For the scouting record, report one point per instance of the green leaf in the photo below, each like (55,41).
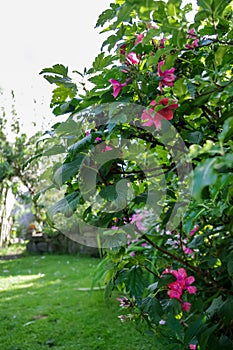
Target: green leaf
(180,89)
(219,54)
(214,307)
(68,170)
(80,146)
(204,336)
(56,149)
(66,206)
(226,311)
(204,175)
(68,127)
(227,130)
(219,6)
(152,306)
(109,193)
(205,4)
(56,69)
(105,16)
(135,282)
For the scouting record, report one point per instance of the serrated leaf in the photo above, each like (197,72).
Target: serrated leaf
(56,69)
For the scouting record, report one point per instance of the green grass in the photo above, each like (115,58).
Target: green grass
(41,308)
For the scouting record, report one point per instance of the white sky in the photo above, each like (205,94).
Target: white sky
(35,34)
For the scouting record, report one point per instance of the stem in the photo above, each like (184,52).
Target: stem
(206,276)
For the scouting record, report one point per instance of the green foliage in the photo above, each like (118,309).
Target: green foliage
(170,200)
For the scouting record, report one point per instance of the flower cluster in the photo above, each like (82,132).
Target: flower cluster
(182,283)
(166,78)
(151,117)
(193,41)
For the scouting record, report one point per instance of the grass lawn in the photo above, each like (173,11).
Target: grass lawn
(41,307)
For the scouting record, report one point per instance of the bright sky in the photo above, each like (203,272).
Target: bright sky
(38,34)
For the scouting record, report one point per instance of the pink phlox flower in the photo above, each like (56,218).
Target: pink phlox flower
(133,254)
(87,133)
(144,245)
(195,43)
(155,118)
(132,58)
(192,346)
(185,306)
(167,77)
(180,274)
(176,286)
(187,250)
(137,218)
(107,148)
(173,294)
(152,25)
(139,39)
(117,86)
(191,33)
(194,230)
(98,138)
(189,47)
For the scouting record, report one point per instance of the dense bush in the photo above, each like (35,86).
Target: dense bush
(147,161)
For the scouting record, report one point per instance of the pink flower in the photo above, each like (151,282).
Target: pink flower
(87,133)
(122,48)
(132,58)
(133,254)
(191,33)
(139,39)
(167,77)
(188,251)
(194,230)
(173,294)
(117,86)
(154,118)
(195,43)
(162,43)
(179,274)
(192,346)
(98,138)
(107,148)
(189,47)
(185,306)
(152,25)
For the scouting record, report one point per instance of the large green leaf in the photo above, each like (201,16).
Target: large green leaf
(204,175)
(66,206)
(135,282)
(152,306)
(67,170)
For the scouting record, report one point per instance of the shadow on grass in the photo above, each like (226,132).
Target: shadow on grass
(42,307)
